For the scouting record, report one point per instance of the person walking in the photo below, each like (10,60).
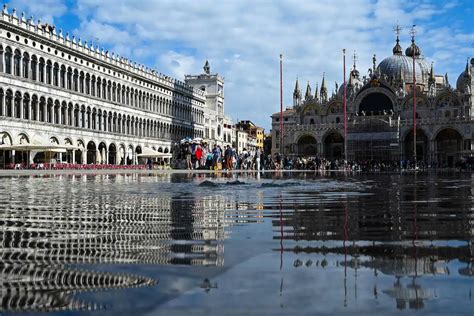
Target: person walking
(189,163)
(228,158)
(257,159)
(198,156)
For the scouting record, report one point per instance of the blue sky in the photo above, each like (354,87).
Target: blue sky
(243,39)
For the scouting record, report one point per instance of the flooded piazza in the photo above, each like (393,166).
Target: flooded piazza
(277,244)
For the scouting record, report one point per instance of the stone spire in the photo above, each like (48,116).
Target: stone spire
(308,95)
(207,68)
(413,50)
(354,74)
(324,90)
(316,92)
(374,64)
(397,50)
(432,74)
(296,94)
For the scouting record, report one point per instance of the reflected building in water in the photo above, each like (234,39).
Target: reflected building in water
(54,288)
(397,235)
(41,238)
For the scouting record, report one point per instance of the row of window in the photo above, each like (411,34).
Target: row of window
(47,110)
(49,72)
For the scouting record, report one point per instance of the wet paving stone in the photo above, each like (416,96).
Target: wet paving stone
(200,244)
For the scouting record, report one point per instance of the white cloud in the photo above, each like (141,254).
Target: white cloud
(176,64)
(243,39)
(44,10)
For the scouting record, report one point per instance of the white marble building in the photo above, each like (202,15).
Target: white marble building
(56,88)
(380,114)
(217,126)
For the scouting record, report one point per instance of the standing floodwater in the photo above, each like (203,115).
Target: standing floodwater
(286,244)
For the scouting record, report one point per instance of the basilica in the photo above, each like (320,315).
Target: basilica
(380,114)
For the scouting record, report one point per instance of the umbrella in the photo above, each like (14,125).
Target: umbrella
(186,140)
(150,153)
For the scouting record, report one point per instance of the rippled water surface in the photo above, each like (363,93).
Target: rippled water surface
(287,244)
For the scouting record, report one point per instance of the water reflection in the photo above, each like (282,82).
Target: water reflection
(48,228)
(407,230)
(382,239)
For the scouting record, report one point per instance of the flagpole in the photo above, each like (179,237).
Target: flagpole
(345,106)
(281,103)
(414,95)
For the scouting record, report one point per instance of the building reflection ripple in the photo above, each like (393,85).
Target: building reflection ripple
(48,229)
(406,230)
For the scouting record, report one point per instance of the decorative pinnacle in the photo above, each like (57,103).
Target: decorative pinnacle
(354,58)
(397,29)
(413,33)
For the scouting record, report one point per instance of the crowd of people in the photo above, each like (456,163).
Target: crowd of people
(201,156)
(366,165)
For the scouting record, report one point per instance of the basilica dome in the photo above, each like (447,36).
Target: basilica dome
(399,66)
(464,80)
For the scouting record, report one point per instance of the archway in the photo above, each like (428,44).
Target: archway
(307,145)
(102,153)
(129,155)
(138,150)
(334,146)
(421,145)
(375,104)
(91,153)
(6,156)
(22,156)
(121,157)
(112,154)
(79,152)
(69,152)
(448,147)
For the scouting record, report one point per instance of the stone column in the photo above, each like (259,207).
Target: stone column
(37,70)
(3,105)
(320,149)
(22,109)
(36,111)
(31,113)
(434,148)
(21,65)
(65,115)
(13,104)
(45,111)
(73,156)
(30,72)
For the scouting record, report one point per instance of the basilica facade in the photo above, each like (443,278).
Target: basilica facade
(380,116)
(61,90)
